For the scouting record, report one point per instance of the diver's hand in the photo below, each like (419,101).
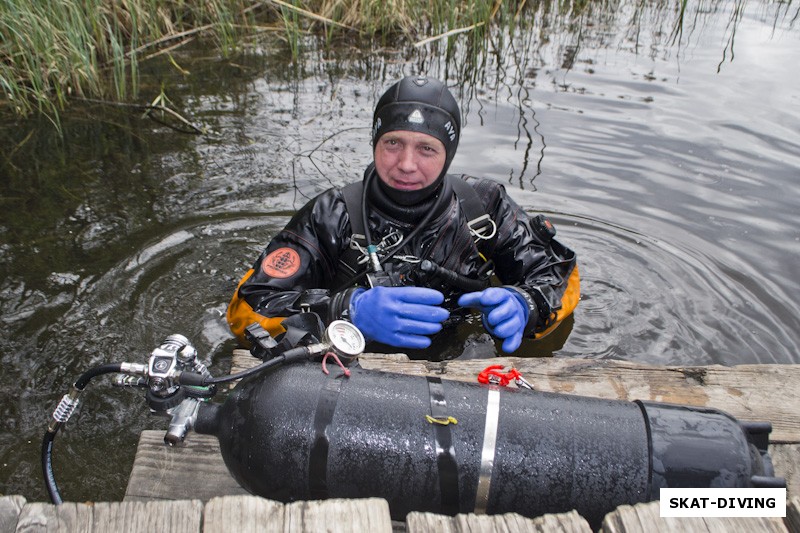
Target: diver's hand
(504,314)
(398,316)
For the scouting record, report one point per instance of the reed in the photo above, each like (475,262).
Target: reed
(53,50)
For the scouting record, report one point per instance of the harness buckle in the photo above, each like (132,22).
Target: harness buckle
(354,244)
(483,227)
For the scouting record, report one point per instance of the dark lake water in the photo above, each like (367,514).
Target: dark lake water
(670,161)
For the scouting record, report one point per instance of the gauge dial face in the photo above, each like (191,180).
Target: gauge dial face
(345,337)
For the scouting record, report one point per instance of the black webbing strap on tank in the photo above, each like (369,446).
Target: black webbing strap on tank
(318,455)
(445,452)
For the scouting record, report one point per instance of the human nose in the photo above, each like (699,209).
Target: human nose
(407,162)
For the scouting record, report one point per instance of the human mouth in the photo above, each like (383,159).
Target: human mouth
(404,185)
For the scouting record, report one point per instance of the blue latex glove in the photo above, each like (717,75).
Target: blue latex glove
(505,314)
(398,316)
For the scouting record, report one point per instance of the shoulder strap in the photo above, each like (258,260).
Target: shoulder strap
(352,200)
(481,225)
(348,261)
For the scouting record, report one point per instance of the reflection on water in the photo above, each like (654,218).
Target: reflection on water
(665,152)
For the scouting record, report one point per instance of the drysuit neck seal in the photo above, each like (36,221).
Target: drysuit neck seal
(395,204)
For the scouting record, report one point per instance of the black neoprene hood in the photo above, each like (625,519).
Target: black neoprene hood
(418,103)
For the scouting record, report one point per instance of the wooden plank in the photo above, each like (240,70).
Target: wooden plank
(243,514)
(10,507)
(570,522)
(744,391)
(747,392)
(251,514)
(338,516)
(193,471)
(180,481)
(786,460)
(68,517)
(183,516)
(130,517)
(792,519)
(644,518)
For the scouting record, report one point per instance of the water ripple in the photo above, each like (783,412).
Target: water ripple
(640,300)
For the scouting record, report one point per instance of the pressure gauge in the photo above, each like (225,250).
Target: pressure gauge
(345,338)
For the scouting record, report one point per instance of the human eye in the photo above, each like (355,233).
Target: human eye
(428,149)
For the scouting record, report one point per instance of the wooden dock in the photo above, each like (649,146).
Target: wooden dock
(245,514)
(190,489)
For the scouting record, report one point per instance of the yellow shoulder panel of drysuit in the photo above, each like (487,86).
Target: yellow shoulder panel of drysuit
(569,301)
(240,315)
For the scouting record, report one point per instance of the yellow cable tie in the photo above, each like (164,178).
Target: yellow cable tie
(441,421)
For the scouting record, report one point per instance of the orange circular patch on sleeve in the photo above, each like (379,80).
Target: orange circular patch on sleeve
(281,263)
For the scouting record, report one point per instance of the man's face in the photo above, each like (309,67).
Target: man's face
(409,160)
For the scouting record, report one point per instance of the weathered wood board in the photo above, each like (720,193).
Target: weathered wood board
(195,470)
(748,392)
(10,507)
(183,516)
(792,520)
(240,514)
(245,514)
(570,522)
(644,518)
(640,518)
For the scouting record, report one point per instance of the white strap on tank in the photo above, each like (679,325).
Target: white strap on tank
(487,454)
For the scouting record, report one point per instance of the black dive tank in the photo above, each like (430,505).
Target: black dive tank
(432,445)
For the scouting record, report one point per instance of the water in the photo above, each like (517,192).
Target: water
(669,164)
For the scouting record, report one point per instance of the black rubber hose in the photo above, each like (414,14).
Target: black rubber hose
(454,279)
(50,435)
(188,378)
(364,215)
(368,234)
(47,468)
(109,368)
(249,372)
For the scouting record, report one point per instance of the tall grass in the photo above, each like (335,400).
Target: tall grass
(52,50)
(56,49)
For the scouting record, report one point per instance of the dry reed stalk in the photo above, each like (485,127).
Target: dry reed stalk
(311,15)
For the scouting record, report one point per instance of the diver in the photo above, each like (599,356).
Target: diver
(410,250)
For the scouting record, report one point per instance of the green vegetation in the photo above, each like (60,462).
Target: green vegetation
(55,50)
(51,51)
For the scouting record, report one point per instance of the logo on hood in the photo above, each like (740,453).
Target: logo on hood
(451,131)
(376,127)
(416,117)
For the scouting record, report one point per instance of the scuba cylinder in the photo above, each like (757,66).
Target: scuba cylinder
(432,445)
(290,431)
